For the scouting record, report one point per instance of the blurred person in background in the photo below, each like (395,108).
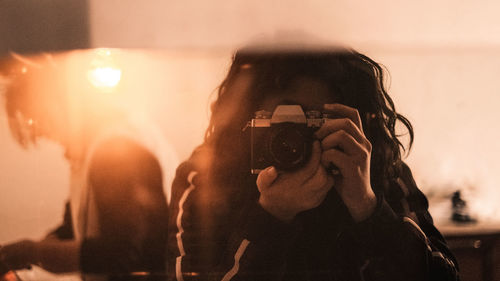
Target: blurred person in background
(115,221)
(349,211)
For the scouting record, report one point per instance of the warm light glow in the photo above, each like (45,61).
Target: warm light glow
(104,77)
(103,73)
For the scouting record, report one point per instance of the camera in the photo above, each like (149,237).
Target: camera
(284,138)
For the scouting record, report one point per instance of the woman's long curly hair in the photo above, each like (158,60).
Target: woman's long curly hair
(353,78)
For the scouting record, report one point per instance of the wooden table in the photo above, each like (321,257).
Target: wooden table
(476,247)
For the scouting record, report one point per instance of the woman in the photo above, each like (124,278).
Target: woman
(115,221)
(351,211)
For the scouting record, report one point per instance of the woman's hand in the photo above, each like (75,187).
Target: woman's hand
(344,145)
(287,194)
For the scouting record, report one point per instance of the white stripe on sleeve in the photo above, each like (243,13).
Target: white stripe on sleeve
(180,245)
(234,270)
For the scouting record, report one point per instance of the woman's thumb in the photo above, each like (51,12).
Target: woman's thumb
(266,177)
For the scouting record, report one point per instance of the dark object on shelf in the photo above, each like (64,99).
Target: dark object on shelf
(459,209)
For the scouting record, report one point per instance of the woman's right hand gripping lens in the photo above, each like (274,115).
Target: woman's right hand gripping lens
(286,194)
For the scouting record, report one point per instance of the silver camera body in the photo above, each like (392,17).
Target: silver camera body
(284,138)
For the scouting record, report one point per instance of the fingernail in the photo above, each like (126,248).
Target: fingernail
(271,170)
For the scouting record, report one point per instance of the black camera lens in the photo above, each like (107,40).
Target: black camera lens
(289,146)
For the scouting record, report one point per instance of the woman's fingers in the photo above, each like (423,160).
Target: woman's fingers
(345,142)
(340,124)
(338,158)
(345,111)
(322,181)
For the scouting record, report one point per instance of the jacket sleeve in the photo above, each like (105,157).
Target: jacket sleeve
(202,246)
(399,241)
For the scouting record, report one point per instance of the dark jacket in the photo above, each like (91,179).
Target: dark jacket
(210,241)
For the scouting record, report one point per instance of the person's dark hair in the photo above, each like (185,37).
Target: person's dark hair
(353,77)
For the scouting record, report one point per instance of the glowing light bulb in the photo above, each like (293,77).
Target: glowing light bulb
(104,74)
(104,77)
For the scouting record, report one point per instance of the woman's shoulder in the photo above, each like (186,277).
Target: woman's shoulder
(122,157)
(120,148)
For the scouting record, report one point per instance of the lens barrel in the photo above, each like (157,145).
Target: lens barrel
(289,145)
